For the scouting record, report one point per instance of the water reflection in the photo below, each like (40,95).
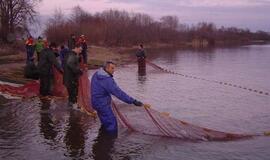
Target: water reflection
(47,126)
(24,124)
(141,70)
(141,67)
(75,135)
(10,129)
(205,54)
(172,55)
(169,53)
(103,146)
(142,79)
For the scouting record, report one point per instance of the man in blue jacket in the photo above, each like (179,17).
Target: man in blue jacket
(102,87)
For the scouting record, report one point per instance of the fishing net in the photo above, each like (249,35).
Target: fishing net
(60,90)
(149,121)
(30,89)
(58,87)
(258,91)
(141,119)
(84,98)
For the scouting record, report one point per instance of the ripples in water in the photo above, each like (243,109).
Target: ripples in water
(42,129)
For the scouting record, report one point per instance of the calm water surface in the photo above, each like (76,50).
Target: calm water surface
(47,129)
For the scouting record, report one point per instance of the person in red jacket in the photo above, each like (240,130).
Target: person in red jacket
(30,49)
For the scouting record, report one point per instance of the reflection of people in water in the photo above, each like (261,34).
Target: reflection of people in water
(47,128)
(103,146)
(75,135)
(141,79)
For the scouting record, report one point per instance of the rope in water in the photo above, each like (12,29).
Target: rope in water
(203,79)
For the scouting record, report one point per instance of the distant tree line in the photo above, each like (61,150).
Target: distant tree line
(121,28)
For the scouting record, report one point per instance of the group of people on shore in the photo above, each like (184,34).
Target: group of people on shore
(102,82)
(66,60)
(37,46)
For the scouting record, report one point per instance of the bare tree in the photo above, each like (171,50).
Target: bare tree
(121,28)
(16,14)
(79,15)
(57,18)
(57,27)
(170,22)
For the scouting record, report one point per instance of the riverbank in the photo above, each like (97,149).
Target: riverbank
(12,60)
(12,57)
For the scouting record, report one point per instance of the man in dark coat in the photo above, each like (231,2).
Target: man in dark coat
(102,87)
(72,72)
(141,52)
(71,42)
(141,60)
(63,54)
(31,70)
(45,66)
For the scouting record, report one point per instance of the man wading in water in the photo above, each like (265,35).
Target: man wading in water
(45,66)
(102,87)
(72,72)
(141,61)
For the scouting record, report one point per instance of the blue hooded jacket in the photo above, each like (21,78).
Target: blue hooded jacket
(102,87)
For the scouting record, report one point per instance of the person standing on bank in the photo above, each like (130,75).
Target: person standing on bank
(102,87)
(72,72)
(141,60)
(45,66)
(83,43)
(39,47)
(71,42)
(30,48)
(63,54)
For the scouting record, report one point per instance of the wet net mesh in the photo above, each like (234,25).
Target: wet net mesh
(149,121)
(83,90)
(141,119)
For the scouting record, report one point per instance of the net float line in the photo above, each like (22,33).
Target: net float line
(212,81)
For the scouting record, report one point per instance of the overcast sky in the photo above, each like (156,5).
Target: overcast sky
(252,14)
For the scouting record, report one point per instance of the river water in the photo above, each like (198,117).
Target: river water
(47,129)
